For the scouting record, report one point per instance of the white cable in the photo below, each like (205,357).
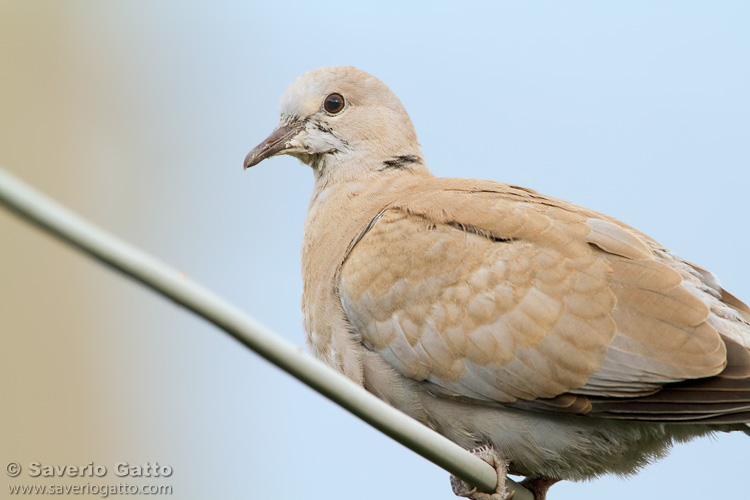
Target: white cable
(57,220)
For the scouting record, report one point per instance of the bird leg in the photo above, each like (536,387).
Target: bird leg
(490,455)
(538,486)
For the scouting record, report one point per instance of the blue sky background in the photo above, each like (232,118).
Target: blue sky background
(138,115)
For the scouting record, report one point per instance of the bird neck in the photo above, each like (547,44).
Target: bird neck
(362,159)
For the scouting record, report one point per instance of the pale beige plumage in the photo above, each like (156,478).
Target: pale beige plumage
(571,343)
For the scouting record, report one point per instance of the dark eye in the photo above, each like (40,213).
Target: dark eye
(334,103)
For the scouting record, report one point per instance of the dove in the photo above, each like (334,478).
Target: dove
(555,342)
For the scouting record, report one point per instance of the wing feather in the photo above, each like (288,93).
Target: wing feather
(499,294)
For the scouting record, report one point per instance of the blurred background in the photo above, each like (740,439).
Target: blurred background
(137,115)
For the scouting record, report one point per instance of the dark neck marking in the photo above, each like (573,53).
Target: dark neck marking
(402,161)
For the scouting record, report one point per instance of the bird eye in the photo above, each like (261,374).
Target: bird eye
(334,103)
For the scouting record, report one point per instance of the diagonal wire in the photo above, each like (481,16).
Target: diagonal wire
(45,213)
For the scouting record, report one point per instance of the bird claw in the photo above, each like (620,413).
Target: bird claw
(538,486)
(490,455)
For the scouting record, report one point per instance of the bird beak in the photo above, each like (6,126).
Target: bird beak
(275,144)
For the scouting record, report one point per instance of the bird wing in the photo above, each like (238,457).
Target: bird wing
(496,293)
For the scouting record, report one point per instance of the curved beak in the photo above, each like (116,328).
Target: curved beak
(274,144)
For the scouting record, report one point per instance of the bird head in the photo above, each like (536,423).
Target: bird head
(339,115)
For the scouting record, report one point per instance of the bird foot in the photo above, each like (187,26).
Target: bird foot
(490,455)
(538,486)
